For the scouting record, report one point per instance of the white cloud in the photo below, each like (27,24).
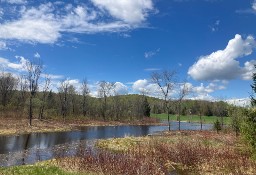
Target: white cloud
(146,87)
(13,66)
(248,70)
(254,5)
(243,102)
(151,53)
(73,82)
(15,1)
(120,88)
(37,55)
(215,26)
(202,92)
(222,64)
(47,22)
(3,45)
(52,76)
(1,13)
(129,11)
(35,25)
(140,85)
(202,89)
(125,35)
(152,69)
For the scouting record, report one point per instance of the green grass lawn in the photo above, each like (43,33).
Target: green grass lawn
(193,118)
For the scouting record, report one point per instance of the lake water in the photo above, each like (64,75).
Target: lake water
(29,148)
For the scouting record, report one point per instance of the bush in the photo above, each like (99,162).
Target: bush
(217,126)
(248,128)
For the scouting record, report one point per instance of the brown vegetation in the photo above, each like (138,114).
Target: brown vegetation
(175,152)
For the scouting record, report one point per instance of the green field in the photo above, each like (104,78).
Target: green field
(193,118)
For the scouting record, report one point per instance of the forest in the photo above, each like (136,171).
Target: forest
(18,99)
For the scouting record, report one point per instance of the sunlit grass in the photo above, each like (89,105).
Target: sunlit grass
(49,167)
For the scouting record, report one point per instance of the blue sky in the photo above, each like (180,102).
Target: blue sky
(210,43)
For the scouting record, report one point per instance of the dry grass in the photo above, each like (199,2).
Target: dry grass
(180,152)
(10,126)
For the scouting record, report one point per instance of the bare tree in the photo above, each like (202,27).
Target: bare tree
(85,93)
(183,91)
(7,85)
(23,88)
(34,70)
(63,94)
(44,97)
(104,91)
(166,82)
(72,96)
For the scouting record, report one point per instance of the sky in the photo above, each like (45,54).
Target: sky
(209,43)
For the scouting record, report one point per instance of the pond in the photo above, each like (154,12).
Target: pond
(29,148)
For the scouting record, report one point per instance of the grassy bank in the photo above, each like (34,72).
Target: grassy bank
(193,118)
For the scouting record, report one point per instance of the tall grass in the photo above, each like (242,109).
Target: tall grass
(207,154)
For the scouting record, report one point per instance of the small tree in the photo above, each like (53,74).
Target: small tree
(248,128)
(85,93)
(104,91)
(253,100)
(183,91)
(63,95)
(166,82)
(146,107)
(34,70)
(7,85)
(217,126)
(44,97)
(236,115)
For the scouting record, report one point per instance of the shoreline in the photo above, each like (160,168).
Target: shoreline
(12,126)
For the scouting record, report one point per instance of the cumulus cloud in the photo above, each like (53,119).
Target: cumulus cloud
(248,69)
(223,64)
(120,88)
(211,87)
(243,102)
(47,22)
(202,92)
(132,11)
(146,87)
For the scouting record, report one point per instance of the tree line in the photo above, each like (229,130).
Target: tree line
(20,97)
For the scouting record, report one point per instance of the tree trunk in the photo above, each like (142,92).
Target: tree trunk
(169,123)
(30,110)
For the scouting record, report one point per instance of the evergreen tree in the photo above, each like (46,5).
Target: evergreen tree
(146,107)
(253,100)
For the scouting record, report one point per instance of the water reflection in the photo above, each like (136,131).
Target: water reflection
(28,148)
